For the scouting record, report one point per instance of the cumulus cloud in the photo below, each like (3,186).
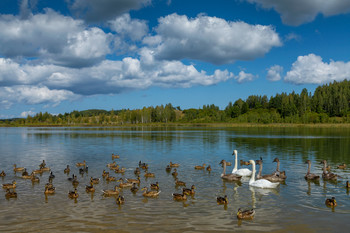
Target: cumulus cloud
(274,73)
(27,113)
(311,69)
(296,12)
(101,10)
(210,39)
(51,37)
(245,77)
(126,27)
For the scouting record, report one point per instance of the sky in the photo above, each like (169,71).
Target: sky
(58,56)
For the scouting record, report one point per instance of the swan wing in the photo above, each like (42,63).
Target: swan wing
(243,172)
(262,183)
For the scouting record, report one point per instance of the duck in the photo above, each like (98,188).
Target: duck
(94,180)
(222,200)
(121,170)
(174,173)
(48,185)
(45,169)
(34,178)
(154,186)
(190,191)
(137,171)
(149,174)
(110,178)
(278,172)
(83,170)
(42,165)
(81,164)
(168,168)
(143,165)
(38,171)
(331,202)
(120,200)
(71,178)
(73,194)
(10,194)
(245,214)
(112,164)
(242,162)
(270,177)
(309,175)
(347,185)
(136,181)
(104,173)
(25,174)
(123,184)
(115,156)
(17,169)
(49,189)
(342,166)
(209,168)
(75,182)
(10,185)
(2,174)
(150,193)
(327,175)
(51,176)
(174,164)
(228,177)
(67,170)
(90,188)
(179,182)
(198,167)
(261,183)
(179,196)
(111,192)
(242,171)
(134,189)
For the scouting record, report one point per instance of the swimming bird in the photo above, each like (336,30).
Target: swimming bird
(136,181)
(278,172)
(198,167)
(67,169)
(25,174)
(143,165)
(208,168)
(190,191)
(90,188)
(228,177)
(52,176)
(245,214)
(342,166)
(71,178)
(42,165)
(137,171)
(10,194)
(134,189)
(94,180)
(347,185)
(222,200)
(49,189)
(2,174)
(104,173)
(111,192)
(179,182)
(120,200)
(112,164)
(174,164)
(309,175)
(331,202)
(149,174)
(81,164)
(17,169)
(73,194)
(115,156)
(123,184)
(10,185)
(241,162)
(150,193)
(154,186)
(242,171)
(110,178)
(270,177)
(179,196)
(168,168)
(328,175)
(261,183)
(174,173)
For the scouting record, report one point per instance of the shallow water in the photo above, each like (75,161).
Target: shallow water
(294,206)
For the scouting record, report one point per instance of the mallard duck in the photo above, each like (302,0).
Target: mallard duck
(34,178)
(71,178)
(115,156)
(155,186)
(179,182)
(209,168)
(137,171)
(81,164)
(49,185)
(90,188)
(228,177)
(111,192)
(123,184)
(42,165)
(179,196)
(241,162)
(174,164)
(112,164)
(104,173)
(95,180)
(25,174)
(10,194)
(134,189)
(168,168)
(75,182)
(17,169)
(174,173)
(198,167)
(245,214)
(143,165)
(10,185)
(110,178)
(151,193)
(121,170)
(2,174)
(45,169)
(149,174)
(38,171)
(120,200)
(222,200)
(309,175)
(49,190)
(67,169)
(73,194)
(83,170)
(342,166)
(52,176)
(328,175)
(331,202)
(136,181)
(190,191)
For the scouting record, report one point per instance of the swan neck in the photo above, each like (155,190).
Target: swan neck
(252,178)
(278,166)
(260,169)
(236,161)
(308,168)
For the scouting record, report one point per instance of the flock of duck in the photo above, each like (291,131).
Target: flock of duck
(269,181)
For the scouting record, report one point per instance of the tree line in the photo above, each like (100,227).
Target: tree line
(330,103)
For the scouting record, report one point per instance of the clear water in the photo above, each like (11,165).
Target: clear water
(296,205)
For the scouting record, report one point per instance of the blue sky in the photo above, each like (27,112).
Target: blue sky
(65,55)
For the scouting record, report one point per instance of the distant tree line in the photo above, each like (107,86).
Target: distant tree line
(330,103)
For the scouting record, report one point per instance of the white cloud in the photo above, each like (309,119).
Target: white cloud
(126,27)
(210,39)
(311,69)
(274,73)
(101,10)
(296,12)
(28,113)
(245,77)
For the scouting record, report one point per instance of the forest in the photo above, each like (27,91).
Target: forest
(330,103)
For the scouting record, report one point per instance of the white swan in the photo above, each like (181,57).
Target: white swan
(262,183)
(242,171)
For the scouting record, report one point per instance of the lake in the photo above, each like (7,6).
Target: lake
(296,205)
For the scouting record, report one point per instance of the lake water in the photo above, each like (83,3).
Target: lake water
(296,206)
